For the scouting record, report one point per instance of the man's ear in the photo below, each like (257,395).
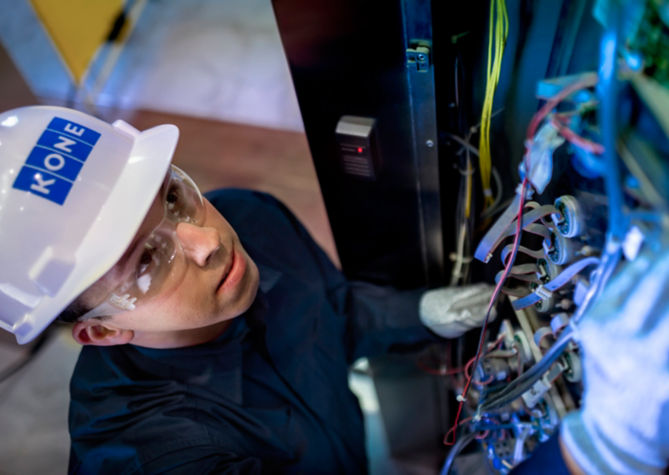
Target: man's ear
(97,332)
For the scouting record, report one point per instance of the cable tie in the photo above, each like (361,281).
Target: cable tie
(460,398)
(543,293)
(557,282)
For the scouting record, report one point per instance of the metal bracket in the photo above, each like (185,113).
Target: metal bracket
(418,56)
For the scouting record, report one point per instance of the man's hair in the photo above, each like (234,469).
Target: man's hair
(74,311)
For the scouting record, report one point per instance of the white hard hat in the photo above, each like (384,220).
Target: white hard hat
(73,192)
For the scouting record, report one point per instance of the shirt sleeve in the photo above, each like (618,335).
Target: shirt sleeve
(379,318)
(193,462)
(188,459)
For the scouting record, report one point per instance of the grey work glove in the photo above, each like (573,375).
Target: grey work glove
(623,424)
(451,311)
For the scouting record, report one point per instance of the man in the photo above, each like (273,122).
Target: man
(217,335)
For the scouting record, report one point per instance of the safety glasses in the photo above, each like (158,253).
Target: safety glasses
(155,259)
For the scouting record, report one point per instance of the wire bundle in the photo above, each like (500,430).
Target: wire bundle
(498,28)
(516,388)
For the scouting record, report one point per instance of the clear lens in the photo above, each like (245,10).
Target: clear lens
(183,201)
(152,263)
(157,261)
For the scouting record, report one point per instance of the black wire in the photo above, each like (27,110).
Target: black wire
(455,450)
(521,384)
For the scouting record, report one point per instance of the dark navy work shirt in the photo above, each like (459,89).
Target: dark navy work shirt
(271,394)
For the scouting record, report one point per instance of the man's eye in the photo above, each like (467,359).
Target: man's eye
(173,197)
(174,202)
(145,268)
(145,261)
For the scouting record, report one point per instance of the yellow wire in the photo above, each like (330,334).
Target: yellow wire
(484,155)
(498,24)
(468,188)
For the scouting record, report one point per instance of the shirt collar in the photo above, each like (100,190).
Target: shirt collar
(219,363)
(268,277)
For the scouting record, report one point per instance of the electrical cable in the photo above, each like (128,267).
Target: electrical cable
(498,28)
(464,221)
(608,263)
(490,212)
(523,382)
(493,299)
(465,143)
(587,81)
(509,264)
(443,369)
(463,218)
(575,139)
(498,189)
(457,273)
(455,450)
(607,92)
(615,234)
(518,386)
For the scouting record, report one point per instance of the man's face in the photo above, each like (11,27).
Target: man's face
(214,281)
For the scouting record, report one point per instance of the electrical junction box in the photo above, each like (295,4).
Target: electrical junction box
(357,146)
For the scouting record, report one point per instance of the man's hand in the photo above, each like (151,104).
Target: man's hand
(451,311)
(623,424)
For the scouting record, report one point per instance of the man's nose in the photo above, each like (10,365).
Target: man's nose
(200,244)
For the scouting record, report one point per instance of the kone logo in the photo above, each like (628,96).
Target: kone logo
(56,160)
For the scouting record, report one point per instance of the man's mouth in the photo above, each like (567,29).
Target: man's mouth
(226,272)
(234,275)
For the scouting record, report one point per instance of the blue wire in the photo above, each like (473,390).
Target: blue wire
(607,91)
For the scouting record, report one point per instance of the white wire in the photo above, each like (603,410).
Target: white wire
(456,273)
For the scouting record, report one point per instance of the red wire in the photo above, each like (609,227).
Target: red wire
(531,132)
(574,138)
(468,366)
(555,100)
(493,299)
(490,348)
(437,371)
(483,434)
(442,371)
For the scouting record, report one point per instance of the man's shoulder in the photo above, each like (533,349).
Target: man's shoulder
(122,397)
(237,202)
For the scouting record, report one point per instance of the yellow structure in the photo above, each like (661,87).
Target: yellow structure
(78,28)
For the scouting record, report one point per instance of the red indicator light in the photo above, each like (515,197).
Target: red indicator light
(359,149)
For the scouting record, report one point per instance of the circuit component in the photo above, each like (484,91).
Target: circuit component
(569,217)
